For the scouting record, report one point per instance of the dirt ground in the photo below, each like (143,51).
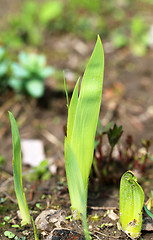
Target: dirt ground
(127,100)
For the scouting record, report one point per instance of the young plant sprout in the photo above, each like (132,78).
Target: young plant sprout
(113,137)
(83,113)
(131,204)
(17,170)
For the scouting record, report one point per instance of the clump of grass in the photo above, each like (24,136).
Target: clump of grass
(83,113)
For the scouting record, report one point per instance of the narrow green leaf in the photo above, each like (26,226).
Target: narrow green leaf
(17,170)
(35,230)
(148,212)
(108,126)
(72,111)
(150,156)
(66,91)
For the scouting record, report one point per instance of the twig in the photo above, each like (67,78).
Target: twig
(51,138)
(103,208)
(95,236)
(2,187)
(103,234)
(8,196)
(54,140)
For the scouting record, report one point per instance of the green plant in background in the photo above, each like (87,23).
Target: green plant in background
(17,171)
(23,27)
(2,161)
(5,69)
(139,39)
(40,172)
(119,38)
(83,113)
(29,74)
(28,25)
(50,11)
(131,204)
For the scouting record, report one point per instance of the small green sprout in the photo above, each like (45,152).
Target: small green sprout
(131,204)
(9,234)
(35,230)
(83,113)
(114,135)
(17,170)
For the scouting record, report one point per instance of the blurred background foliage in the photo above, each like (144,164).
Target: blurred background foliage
(120,23)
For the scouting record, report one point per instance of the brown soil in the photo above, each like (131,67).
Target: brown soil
(127,100)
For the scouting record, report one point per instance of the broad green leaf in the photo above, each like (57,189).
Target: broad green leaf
(17,170)
(35,88)
(46,72)
(19,71)
(131,204)
(16,83)
(77,191)
(74,179)
(87,112)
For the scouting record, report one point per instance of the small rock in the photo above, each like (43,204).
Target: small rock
(32,151)
(48,217)
(112,215)
(147,224)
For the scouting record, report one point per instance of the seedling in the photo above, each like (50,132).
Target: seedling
(131,204)
(113,137)
(17,171)
(82,121)
(9,234)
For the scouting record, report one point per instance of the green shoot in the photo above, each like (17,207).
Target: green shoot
(82,121)
(35,230)
(17,170)
(131,204)
(113,137)
(147,211)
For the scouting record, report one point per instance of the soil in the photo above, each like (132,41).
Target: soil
(127,100)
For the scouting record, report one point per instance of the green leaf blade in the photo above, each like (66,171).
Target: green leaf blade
(74,179)
(17,170)
(72,111)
